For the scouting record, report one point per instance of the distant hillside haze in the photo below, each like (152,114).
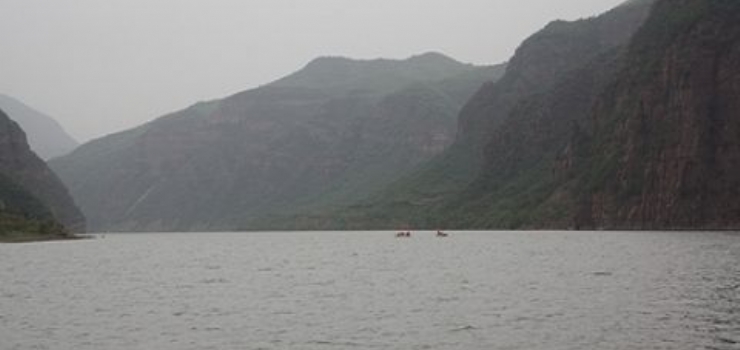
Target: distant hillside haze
(330,133)
(33,200)
(45,135)
(626,120)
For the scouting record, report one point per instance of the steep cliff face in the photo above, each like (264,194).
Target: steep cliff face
(543,60)
(640,138)
(30,188)
(327,134)
(511,131)
(46,137)
(532,154)
(666,152)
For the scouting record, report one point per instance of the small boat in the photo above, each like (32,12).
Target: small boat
(403,234)
(442,234)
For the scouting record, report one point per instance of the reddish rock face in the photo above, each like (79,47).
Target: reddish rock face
(676,112)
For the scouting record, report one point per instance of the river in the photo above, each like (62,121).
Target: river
(370,290)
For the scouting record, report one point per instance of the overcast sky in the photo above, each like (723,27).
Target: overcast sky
(100,66)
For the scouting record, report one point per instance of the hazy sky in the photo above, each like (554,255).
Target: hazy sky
(100,66)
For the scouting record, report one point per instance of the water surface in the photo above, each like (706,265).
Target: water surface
(370,290)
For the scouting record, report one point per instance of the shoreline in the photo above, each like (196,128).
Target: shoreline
(33,238)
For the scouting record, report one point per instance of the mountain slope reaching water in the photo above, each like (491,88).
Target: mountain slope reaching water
(330,133)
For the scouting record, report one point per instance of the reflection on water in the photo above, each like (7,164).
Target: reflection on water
(545,290)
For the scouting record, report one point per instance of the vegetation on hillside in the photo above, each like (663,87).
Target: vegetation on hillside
(23,217)
(33,202)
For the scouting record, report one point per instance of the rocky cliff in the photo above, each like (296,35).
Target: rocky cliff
(666,149)
(29,188)
(516,182)
(543,60)
(641,135)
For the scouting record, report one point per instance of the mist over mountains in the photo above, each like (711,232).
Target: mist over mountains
(334,131)
(626,120)
(45,135)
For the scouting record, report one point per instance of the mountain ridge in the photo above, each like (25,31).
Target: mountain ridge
(280,147)
(46,136)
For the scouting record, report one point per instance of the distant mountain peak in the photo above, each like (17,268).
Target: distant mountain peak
(427,57)
(346,74)
(329,60)
(45,135)
(433,57)
(636,3)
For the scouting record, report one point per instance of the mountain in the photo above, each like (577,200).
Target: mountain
(639,139)
(334,131)
(518,184)
(47,138)
(510,133)
(642,133)
(666,142)
(33,200)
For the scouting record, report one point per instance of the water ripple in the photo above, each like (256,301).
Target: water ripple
(548,290)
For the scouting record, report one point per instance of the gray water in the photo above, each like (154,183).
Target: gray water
(473,290)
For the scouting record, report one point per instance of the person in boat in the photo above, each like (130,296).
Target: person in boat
(441,234)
